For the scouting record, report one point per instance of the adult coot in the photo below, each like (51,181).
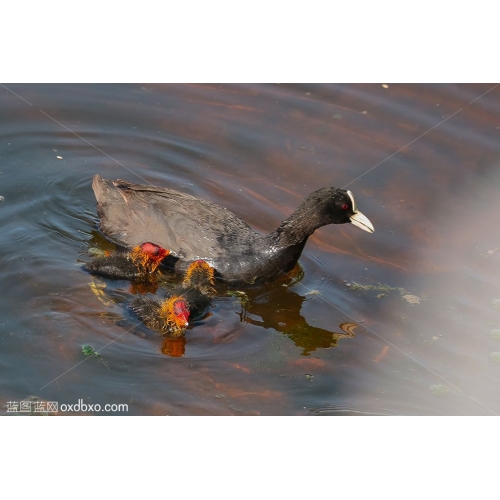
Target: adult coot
(192,228)
(188,301)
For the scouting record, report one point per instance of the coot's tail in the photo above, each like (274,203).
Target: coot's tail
(105,192)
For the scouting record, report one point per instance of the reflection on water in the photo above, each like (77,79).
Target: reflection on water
(259,150)
(279,308)
(175,347)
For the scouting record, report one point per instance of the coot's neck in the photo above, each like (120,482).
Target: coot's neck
(298,227)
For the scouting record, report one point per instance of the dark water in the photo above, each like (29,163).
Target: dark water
(421,294)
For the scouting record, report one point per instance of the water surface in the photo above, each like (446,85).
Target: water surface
(421,294)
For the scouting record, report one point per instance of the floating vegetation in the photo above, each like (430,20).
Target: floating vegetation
(379,287)
(313,292)
(384,290)
(88,350)
(97,252)
(439,390)
(241,296)
(411,299)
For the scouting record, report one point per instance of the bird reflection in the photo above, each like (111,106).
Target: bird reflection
(279,308)
(175,347)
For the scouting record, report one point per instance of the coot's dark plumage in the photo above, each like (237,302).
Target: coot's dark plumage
(139,264)
(192,228)
(188,301)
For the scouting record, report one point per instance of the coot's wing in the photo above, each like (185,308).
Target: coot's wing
(191,228)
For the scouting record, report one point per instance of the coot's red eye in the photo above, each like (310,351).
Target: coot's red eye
(345,206)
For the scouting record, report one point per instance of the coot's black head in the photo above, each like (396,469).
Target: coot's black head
(337,206)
